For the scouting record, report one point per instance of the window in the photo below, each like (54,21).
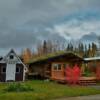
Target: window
(17,70)
(3,69)
(56,66)
(59,66)
(11,57)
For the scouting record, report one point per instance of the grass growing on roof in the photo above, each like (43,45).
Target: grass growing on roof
(45,91)
(51,55)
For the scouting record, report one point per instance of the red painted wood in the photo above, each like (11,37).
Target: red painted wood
(98,73)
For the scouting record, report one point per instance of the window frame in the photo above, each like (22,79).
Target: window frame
(18,69)
(2,69)
(11,57)
(56,67)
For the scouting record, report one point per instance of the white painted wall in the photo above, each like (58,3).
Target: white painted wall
(10,72)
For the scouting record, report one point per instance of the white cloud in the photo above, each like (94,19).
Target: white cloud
(26,20)
(75,28)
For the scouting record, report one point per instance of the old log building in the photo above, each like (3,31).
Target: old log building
(53,66)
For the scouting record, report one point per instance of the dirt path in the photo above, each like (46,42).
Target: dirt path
(92,97)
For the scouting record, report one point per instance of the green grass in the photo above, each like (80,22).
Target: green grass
(18,87)
(45,91)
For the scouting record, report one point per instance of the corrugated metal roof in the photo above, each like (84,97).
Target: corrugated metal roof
(92,58)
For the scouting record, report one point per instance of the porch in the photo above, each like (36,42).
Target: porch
(82,80)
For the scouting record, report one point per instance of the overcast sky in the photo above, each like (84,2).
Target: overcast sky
(23,23)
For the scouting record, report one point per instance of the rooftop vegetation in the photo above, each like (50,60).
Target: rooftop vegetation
(51,55)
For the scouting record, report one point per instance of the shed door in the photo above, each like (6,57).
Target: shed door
(10,72)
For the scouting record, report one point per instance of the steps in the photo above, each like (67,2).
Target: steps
(87,81)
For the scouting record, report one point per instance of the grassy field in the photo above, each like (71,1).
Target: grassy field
(45,91)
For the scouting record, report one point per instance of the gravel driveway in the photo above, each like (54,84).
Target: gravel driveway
(92,97)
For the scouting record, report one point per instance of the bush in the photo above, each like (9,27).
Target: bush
(18,87)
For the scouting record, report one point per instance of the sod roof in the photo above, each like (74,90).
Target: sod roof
(52,55)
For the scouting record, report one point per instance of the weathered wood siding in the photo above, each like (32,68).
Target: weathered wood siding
(19,76)
(2,75)
(92,65)
(57,74)
(41,66)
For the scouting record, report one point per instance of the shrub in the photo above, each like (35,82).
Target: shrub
(88,74)
(18,87)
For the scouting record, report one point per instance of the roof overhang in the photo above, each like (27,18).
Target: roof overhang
(69,55)
(92,58)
